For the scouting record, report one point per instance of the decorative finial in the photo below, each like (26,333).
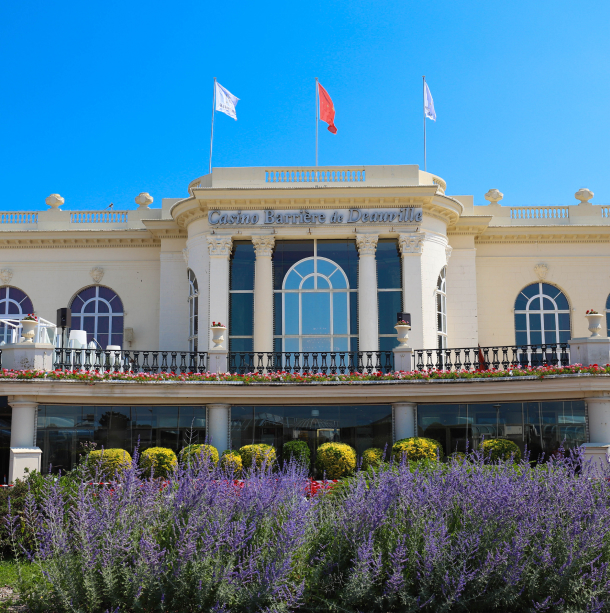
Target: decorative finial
(584,195)
(54,201)
(494,196)
(144,199)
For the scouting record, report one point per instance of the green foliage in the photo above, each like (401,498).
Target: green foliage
(109,461)
(372,458)
(336,460)
(259,454)
(297,451)
(160,460)
(417,448)
(230,461)
(500,449)
(193,453)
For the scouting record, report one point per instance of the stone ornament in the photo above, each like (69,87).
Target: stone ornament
(97,274)
(144,199)
(185,255)
(494,196)
(54,201)
(541,271)
(367,243)
(6,274)
(411,243)
(584,195)
(263,245)
(220,246)
(448,251)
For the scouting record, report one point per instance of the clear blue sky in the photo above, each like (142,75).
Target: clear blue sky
(102,100)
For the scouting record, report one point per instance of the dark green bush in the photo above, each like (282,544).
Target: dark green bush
(297,451)
(500,449)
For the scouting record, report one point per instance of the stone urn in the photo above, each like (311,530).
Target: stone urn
(595,323)
(402,333)
(218,335)
(29,325)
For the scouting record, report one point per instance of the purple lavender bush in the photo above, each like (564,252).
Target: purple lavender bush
(461,536)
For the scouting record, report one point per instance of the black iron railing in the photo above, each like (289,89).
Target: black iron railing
(500,358)
(130,361)
(326,362)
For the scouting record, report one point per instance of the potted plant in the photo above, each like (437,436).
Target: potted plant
(402,333)
(595,322)
(218,331)
(29,323)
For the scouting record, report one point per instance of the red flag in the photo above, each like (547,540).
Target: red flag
(327,110)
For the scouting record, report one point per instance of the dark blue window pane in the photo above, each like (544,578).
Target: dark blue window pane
(562,302)
(106,293)
(549,321)
(547,304)
(16,294)
(520,303)
(520,322)
(89,307)
(550,336)
(534,304)
(83,296)
(531,290)
(13,308)
(535,323)
(116,305)
(287,253)
(535,338)
(103,324)
(27,306)
(277,313)
(390,303)
(117,324)
(521,338)
(102,339)
(564,321)
(242,265)
(387,343)
(3,293)
(564,336)
(388,264)
(549,290)
(102,307)
(240,344)
(241,314)
(353,313)
(345,254)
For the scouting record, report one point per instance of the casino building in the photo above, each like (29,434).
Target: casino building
(306,268)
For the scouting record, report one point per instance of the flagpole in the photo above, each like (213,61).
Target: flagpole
(317,120)
(424,109)
(212,134)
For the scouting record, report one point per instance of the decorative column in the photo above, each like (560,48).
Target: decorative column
(411,248)
(220,249)
(218,426)
(598,414)
(403,420)
(23,453)
(368,310)
(263,293)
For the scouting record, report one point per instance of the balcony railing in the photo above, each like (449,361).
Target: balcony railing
(99,217)
(92,360)
(326,362)
(499,358)
(314,175)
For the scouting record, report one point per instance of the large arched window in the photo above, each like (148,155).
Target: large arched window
(441,309)
(315,307)
(542,315)
(99,311)
(14,304)
(193,310)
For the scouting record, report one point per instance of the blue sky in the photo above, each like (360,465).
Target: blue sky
(103,100)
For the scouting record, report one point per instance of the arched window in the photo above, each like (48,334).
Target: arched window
(14,304)
(542,316)
(441,309)
(99,311)
(193,310)
(315,307)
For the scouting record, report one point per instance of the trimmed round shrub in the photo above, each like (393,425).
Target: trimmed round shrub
(109,461)
(230,461)
(259,454)
(191,454)
(336,460)
(372,458)
(417,448)
(160,460)
(500,449)
(297,451)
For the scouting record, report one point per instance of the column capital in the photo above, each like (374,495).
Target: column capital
(411,244)
(367,243)
(220,246)
(263,245)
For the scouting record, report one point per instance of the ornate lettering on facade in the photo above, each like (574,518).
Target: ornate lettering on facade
(220,246)
(270,217)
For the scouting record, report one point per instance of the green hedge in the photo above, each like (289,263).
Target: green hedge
(417,448)
(259,454)
(192,454)
(109,461)
(336,460)
(231,462)
(500,449)
(297,451)
(372,458)
(160,460)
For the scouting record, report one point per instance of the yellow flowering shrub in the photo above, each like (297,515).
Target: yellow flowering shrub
(260,454)
(230,461)
(109,461)
(193,453)
(336,460)
(160,460)
(500,449)
(417,448)
(372,458)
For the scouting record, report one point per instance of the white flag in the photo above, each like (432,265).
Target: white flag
(428,103)
(225,101)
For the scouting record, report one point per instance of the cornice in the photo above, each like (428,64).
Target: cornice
(66,243)
(469,225)
(546,234)
(165,228)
